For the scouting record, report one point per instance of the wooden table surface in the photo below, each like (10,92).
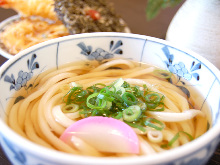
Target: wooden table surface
(133,12)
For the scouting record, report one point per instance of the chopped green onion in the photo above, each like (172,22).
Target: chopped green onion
(94,112)
(80,97)
(141,128)
(145,87)
(120,92)
(105,90)
(142,106)
(113,89)
(117,97)
(151,106)
(155,107)
(108,105)
(154,102)
(118,83)
(187,134)
(86,113)
(126,85)
(137,91)
(153,98)
(70,108)
(129,98)
(100,84)
(101,103)
(93,89)
(119,100)
(116,86)
(172,141)
(132,113)
(118,116)
(105,97)
(71,93)
(150,123)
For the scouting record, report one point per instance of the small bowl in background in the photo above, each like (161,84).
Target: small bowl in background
(50,54)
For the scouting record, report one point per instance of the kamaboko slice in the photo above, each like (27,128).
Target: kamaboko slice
(104,134)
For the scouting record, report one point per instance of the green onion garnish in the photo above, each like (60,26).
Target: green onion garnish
(70,108)
(129,98)
(118,116)
(150,123)
(135,125)
(172,141)
(119,100)
(153,98)
(97,103)
(132,113)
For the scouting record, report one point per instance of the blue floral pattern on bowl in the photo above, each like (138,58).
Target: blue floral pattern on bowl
(146,50)
(100,54)
(179,68)
(23,77)
(181,71)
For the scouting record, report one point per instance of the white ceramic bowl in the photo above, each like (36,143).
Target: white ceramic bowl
(201,73)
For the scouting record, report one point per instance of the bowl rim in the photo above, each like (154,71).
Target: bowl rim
(171,155)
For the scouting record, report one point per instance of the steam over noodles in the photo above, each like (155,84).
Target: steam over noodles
(159,113)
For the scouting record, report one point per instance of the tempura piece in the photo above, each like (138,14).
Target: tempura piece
(43,8)
(24,33)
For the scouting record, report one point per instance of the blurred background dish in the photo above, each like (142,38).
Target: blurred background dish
(38,23)
(18,33)
(133,13)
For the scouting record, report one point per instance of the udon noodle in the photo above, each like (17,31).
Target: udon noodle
(34,117)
